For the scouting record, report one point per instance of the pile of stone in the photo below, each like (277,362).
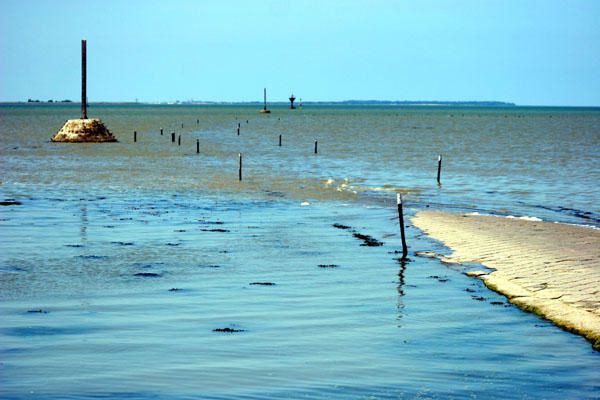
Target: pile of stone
(84,130)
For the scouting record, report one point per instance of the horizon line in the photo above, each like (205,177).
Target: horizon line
(424,103)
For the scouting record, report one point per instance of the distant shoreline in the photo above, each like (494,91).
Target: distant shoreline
(349,103)
(286,103)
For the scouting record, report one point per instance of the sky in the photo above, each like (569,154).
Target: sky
(528,52)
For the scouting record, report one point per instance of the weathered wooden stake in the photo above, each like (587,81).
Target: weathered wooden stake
(179,140)
(172,137)
(238,131)
(316,144)
(439,169)
(401,220)
(83,79)
(240,171)
(182,125)
(197,121)
(197,146)
(161,131)
(134,136)
(279,140)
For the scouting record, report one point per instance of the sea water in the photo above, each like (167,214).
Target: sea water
(120,262)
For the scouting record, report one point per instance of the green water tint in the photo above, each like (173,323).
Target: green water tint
(104,233)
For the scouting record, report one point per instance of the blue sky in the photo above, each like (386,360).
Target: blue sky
(527,52)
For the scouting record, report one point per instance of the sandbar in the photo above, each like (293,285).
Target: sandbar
(547,268)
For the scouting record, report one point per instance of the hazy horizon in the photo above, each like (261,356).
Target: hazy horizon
(358,102)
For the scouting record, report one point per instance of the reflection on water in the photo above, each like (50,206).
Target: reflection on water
(84,222)
(124,258)
(400,288)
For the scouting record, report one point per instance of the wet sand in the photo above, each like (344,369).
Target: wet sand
(547,268)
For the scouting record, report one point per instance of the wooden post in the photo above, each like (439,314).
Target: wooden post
(265,93)
(83,79)
(197,146)
(279,140)
(316,144)
(179,140)
(240,170)
(401,220)
(197,121)
(238,131)
(182,125)
(161,131)
(134,136)
(439,169)
(172,137)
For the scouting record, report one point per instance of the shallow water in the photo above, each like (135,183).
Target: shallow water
(105,231)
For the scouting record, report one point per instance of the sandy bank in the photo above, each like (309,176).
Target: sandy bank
(550,269)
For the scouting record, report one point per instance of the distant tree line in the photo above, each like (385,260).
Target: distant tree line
(49,101)
(367,102)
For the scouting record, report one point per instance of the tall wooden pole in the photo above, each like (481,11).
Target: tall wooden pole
(401,221)
(265,96)
(83,80)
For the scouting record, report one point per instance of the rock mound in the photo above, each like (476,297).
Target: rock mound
(90,130)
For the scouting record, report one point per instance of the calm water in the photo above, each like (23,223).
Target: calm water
(104,231)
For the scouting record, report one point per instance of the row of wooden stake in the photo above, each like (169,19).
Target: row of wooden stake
(198,143)
(439,170)
(398,196)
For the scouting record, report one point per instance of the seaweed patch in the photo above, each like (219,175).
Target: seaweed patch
(367,240)
(328,266)
(341,226)
(92,257)
(147,275)
(211,222)
(228,330)
(10,202)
